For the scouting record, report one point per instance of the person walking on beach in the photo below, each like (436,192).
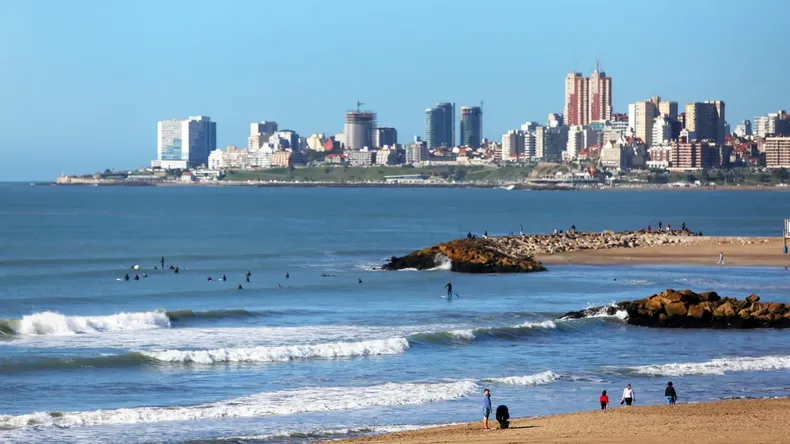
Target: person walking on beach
(521,229)
(671,394)
(486,408)
(628,395)
(721,258)
(449,288)
(604,400)
(659,225)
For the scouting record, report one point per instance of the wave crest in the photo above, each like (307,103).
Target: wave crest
(541,378)
(287,402)
(715,367)
(390,346)
(53,323)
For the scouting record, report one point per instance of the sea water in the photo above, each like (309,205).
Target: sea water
(86,356)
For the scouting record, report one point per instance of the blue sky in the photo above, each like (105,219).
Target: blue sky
(83,82)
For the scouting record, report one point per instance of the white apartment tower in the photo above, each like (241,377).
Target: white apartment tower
(183,144)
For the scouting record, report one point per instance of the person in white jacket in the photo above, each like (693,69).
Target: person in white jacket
(628,396)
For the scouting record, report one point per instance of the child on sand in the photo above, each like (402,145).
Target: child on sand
(604,401)
(671,394)
(486,408)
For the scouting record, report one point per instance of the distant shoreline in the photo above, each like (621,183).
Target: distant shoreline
(517,186)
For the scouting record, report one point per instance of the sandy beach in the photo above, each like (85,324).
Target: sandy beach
(703,250)
(741,421)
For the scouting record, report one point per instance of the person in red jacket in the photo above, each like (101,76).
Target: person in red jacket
(604,401)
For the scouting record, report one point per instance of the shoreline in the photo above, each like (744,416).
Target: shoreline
(742,421)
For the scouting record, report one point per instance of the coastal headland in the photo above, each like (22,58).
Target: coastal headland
(603,248)
(741,421)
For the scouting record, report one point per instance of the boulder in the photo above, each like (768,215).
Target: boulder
(753,299)
(676,309)
(709,296)
(725,310)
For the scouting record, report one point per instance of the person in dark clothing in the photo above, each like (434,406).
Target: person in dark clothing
(469,235)
(247,278)
(162,261)
(502,416)
(669,392)
(240,287)
(209,279)
(137,277)
(683,226)
(249,274)
(449,288)
(224,278)
(176,270)
(172,267)
(287,276)
(659,225)
(126,278)
(145,275)
(360,280)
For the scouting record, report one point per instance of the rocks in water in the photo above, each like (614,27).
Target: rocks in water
(687,309)
(466,256)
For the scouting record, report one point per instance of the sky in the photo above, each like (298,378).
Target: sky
(83,82)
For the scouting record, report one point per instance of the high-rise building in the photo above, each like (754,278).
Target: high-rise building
(668,109)
(385,136)
(587,99)
(269,127)
(662,131)
(641,118)
(554,120)
(358,130)
(774,124)
(743,129)
(512,145)
(555,141)
(471,126)
(707,120)
(185,143)
(440,125)
(693,155)
(777,152)
(600,97)
(575,111)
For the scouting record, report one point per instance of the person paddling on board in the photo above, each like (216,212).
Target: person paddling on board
(247,278)
(162,261)
(449,288)
(224,278)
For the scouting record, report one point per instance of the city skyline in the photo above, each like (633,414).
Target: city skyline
(74,67)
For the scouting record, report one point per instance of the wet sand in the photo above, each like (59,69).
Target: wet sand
(704,250)
(742,421)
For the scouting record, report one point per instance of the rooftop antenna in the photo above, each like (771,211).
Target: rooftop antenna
(359,104)
(596,65)
(481,122)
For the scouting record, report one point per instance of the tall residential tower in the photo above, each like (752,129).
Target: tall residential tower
(186,143)
(471,126)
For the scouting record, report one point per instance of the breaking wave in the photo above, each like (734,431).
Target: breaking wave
(52,323)
(541,378)
(390,346)
(287,402)
(325,433)
(181,315)
(715,366)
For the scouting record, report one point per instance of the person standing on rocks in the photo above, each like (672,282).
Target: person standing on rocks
(628,396)
(721,258)
(669,392)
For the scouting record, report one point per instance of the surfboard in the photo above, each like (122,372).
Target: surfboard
(136,267)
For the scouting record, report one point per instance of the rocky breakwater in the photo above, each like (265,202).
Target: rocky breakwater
(548,244)
(478,255)
(687,309)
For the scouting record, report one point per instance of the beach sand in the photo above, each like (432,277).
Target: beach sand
(741,421)
(703,250)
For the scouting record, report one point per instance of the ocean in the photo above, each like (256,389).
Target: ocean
(86,356)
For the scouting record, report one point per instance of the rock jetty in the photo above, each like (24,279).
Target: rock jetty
(477,255)
(687,309)
(516,254)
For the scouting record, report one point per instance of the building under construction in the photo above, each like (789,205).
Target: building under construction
(359,129)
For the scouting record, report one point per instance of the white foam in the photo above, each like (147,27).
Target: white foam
(320,433)
(287,402)
(52,323)
(540,324)
(390,346)
(467,335)
(541,378)
(716,366)
(443,263)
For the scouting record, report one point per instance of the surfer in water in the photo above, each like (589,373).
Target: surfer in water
(449,288)
(287,276)
(209,279)
(224,278)
(162,261)
(360,280)
(145,275)
(248,275)
(126,278)
(247,278)
(240,287)
(176,270)
(137,277)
